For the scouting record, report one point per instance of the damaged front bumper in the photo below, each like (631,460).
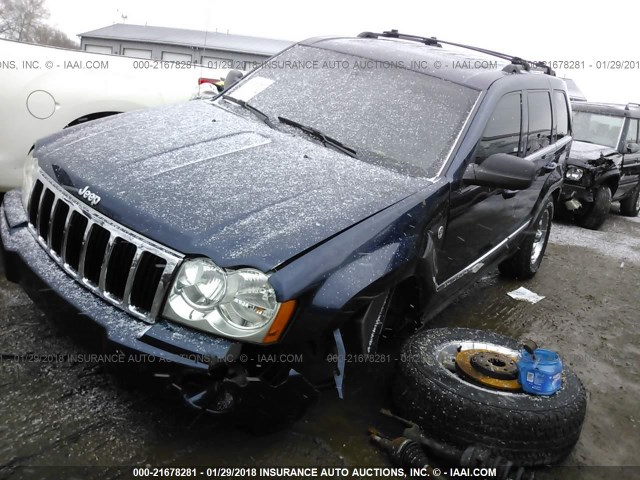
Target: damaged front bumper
(574,197)
(211,373)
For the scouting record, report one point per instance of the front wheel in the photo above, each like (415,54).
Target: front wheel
(596,214)
(526,262)
(630,206)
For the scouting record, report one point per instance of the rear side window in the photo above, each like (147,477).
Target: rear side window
(502,134)
(632,133)
(539,121)
(561,114)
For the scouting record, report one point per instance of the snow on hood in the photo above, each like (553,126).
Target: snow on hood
(589,151)
(205,181)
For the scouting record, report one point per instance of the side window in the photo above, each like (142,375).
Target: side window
(502,134)
(539,121)
(632,133)
(561,112)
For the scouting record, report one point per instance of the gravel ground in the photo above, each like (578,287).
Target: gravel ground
(81,414)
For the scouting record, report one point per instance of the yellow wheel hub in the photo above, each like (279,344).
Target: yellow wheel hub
(489,369)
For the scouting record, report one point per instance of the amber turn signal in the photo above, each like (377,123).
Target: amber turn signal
(280,322)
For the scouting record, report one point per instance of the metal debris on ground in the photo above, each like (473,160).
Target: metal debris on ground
(411,449)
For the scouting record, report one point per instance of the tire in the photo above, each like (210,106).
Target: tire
(597,212)
(561,213)
(630,206)
(528,430)
(527,260)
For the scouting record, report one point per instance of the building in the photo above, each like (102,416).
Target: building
(212,49)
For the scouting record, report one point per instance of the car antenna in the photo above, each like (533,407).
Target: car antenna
(516,63)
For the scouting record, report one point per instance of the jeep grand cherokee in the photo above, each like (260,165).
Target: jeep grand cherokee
(290,213)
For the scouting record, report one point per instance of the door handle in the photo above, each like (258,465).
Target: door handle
(509,193)
(550,167)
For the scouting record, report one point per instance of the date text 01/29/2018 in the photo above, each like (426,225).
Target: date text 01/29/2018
(612,64)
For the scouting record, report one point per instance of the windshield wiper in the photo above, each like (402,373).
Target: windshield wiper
(260,114)
(326,140)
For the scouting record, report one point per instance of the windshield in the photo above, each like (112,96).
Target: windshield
(597,128)
(387,115)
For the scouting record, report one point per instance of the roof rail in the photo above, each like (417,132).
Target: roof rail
(517,64)
(632,104)
(395,34)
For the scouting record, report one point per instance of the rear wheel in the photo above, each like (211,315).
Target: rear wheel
(630,206)
(596,213)
(526,262)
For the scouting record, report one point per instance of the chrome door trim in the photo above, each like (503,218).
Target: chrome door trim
(477,262)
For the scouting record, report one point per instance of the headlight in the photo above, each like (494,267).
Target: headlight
(574,173)
(29,174)
(233,303)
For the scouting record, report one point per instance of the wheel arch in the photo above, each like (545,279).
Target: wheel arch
(395,307)
(610,179)
(612,183)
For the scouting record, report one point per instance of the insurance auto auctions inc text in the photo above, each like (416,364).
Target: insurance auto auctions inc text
(351,472)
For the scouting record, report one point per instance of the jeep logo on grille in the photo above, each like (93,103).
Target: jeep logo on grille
(91,197)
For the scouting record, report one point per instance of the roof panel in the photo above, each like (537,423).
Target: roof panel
(194,38)
(631,110)
(447,63)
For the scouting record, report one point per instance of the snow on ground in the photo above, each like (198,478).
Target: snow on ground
(618,238)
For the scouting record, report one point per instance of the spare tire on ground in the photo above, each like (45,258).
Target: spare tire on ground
(528,430)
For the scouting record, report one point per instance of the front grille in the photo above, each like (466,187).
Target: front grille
(115,263)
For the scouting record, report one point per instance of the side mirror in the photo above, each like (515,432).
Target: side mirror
(501,170)
(232,77)
(633,148)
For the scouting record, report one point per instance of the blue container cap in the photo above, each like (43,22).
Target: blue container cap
(542,357)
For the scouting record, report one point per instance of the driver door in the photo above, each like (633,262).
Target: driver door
(480,218)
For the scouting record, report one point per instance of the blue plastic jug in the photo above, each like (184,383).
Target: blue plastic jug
(540,371)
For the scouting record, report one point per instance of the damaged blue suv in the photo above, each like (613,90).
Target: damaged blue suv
(346,188)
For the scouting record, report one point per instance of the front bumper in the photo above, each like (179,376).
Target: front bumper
(164,346)
(577,192)
(27,264)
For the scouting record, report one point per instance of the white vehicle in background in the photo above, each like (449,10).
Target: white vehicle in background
(45,89)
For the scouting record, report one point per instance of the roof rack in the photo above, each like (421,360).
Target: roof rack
(517,64)
(432,41)
(632,104)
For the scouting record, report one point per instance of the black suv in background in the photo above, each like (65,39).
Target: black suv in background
(290,214)
(604,165)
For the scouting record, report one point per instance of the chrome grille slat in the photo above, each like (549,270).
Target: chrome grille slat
(105,262)
(65,232)
(38,228)
(83,251)
(132,274)
(56,229)
(165,279)
(101,257)
(50,226)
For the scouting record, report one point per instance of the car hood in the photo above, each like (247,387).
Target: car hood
(205,181)
(583,151)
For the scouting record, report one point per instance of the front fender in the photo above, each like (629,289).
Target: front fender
(610,178)
(367,269)
(340,276)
